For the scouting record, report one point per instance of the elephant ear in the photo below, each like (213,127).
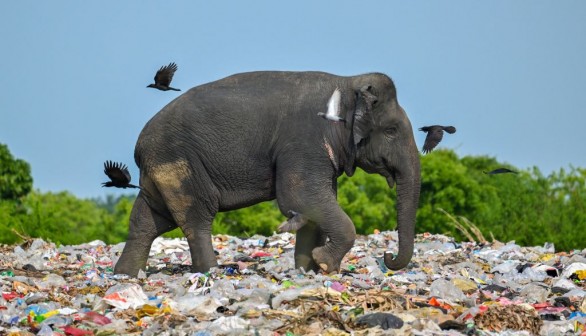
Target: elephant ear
(363,118)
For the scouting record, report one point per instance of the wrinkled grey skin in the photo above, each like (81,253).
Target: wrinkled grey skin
(295,222)
(256,136)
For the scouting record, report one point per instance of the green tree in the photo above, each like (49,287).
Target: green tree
(368,201)
(115,218)
(448,183)
(262,218)
(61,217)
(15,176)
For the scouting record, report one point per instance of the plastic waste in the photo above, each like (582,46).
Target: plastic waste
(446,290)
(573,268)
(383,320)
(263,294)
(285,296)
(50,281)
(535,293)
(57,321)
(203,307)
(125,296)
(232,325)
(506,267)
(95,318)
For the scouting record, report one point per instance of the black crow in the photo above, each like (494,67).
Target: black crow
(500,171)
(118,174)
(435,134)
(164,77)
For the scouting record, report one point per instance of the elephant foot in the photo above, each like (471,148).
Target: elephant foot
(324,259)
(203,269)
(128,270)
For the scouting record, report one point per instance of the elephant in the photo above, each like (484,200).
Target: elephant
(257,136)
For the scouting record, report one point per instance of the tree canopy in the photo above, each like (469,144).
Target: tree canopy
(15,176)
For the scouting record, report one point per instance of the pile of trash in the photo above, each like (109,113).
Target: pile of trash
(449,288)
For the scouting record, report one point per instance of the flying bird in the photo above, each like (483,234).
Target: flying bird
(334,107)
(164,77)
(500,171)
(118,174)
(435,134)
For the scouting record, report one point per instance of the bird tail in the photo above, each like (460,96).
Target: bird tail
(174,89)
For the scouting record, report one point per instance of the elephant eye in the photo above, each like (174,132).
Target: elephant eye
(391,132)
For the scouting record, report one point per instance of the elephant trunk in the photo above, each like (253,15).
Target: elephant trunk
(408,187)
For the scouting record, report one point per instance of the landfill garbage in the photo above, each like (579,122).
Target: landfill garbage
(383,320)
(449,288)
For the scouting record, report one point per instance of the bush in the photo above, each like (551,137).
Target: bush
(15,176)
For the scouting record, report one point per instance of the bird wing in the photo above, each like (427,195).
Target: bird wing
(501,171)
(450,129)
(433,138)
(165,74)
(117,172)
(334,103)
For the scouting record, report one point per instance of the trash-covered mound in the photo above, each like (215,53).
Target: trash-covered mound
(449,288)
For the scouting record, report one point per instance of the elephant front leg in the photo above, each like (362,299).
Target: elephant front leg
(317,208)
(341,234)
(307,239)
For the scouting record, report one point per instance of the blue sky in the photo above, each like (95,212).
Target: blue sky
(510,75)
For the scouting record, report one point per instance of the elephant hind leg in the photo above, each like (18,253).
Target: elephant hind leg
(193,201)
(145,225)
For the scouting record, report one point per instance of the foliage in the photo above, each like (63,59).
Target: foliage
(368,201)
(262,219)
(63,218)
(527,207)
(15,176)
(115,216)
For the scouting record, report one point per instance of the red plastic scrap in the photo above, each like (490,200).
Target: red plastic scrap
(547,308)
(541,305)
(96,318)
(73,331)
(481,310)
(258,254)
(436,303)
(115,297)
(10,296)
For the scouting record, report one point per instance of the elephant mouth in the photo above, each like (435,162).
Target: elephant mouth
(391,181)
